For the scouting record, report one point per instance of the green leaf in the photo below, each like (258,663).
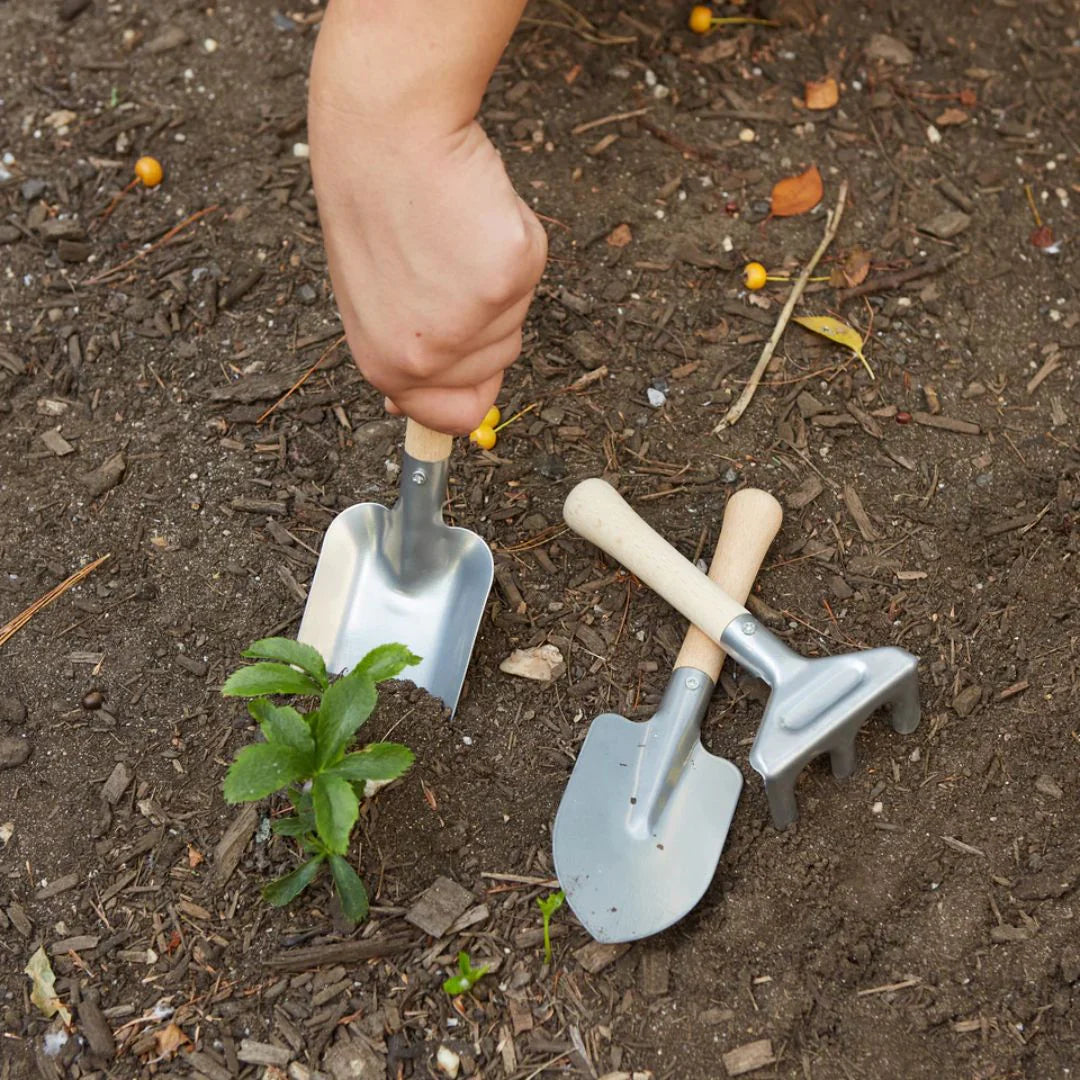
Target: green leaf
(350,889)
(290,826)
(377,761)
(260,769)
(290,652)
(283,726)
(278,893)
(469,977)
(345,706)
(386,661)
(259,680)
(336,811)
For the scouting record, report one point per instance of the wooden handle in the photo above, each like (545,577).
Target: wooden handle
(596,511)
(751,521)
(423,444)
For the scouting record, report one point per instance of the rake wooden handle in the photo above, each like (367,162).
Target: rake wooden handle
(751,521)
(596,511)
(423,444)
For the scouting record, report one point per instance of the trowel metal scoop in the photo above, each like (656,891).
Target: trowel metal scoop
(647,809)
(816,706)
(401,575)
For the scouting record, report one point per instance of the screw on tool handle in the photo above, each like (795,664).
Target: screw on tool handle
(423,444)
(751,521)
(596,511)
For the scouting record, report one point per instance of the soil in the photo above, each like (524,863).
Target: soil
(920,919)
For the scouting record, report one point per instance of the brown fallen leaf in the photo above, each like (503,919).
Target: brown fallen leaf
(852,270)
(620,236)
(194,857)
(822,95)
(797,194)
(169,1039)
(952,117)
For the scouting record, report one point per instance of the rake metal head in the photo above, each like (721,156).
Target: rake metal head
(818,706)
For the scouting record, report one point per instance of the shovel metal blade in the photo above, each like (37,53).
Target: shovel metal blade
(635,850)
(399,576)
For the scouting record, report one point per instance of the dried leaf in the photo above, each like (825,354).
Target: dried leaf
(620,236)
(838,331)
(169,1039)
(852,270)
(797,194)
(822,95)
(44,993)
(194,856)
(1043,237)
(952,117)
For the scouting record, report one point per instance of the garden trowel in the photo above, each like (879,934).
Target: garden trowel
(815,706)
(402,576)
(645,815)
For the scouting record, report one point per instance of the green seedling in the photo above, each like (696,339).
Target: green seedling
(467,976)
(548,905)
(305,754)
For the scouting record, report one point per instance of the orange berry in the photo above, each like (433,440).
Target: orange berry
(149,171)
(484,437)
(701,19)
(492,417)
(755,275)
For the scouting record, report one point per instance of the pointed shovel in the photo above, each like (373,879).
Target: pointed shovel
(401,575)
(647,809)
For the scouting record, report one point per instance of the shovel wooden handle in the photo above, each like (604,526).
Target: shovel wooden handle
(751,521)
(423,444)
(596,511)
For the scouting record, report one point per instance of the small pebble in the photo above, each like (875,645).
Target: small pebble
(13,751)
(210,45)
(32,189)
(93,699)
(657,398)
(301,150)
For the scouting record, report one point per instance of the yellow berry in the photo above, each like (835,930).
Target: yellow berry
(492,417)
(149,171)
(701,19)
(755,275)
(484,436)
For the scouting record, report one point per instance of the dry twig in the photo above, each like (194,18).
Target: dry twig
(11,628)
(303,378)
(176,229)
(832,224)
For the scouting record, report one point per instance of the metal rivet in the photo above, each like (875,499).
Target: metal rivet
(419,477)
(749,627)
(692,682)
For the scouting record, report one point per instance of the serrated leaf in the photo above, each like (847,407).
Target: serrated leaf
(336,811)
(838,331)
(261,680)
(797,194)
(283,726)
(280,892)
(292,825)
(377,761)
(345,706)
(43,994)
(386,661)
(350,889)
(305,657)
(261,769)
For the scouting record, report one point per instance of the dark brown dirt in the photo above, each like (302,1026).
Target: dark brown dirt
(920,919)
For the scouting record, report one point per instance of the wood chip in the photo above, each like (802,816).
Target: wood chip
(520,1016)
(946,423)
(861,517)
(345,952)
(106,476)
(805,493)
(964,849)
(232,843)
(655,965)
(54,888)
(95,1029)
(116,785)
(20,920)
(749,1057)
(440,905)
(269,507)
(260,1053)
(56,442)
(596,956)
(81,943)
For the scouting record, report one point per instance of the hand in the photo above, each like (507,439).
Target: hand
(433,257)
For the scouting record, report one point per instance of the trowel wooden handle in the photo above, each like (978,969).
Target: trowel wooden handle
(596,511)
(423,444)
(751,521)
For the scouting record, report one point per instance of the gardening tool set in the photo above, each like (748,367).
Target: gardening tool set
(644,817)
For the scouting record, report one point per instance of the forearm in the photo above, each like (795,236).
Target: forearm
(395,62)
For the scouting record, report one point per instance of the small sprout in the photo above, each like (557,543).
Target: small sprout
(548,906)
(148,170)
(467,976)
